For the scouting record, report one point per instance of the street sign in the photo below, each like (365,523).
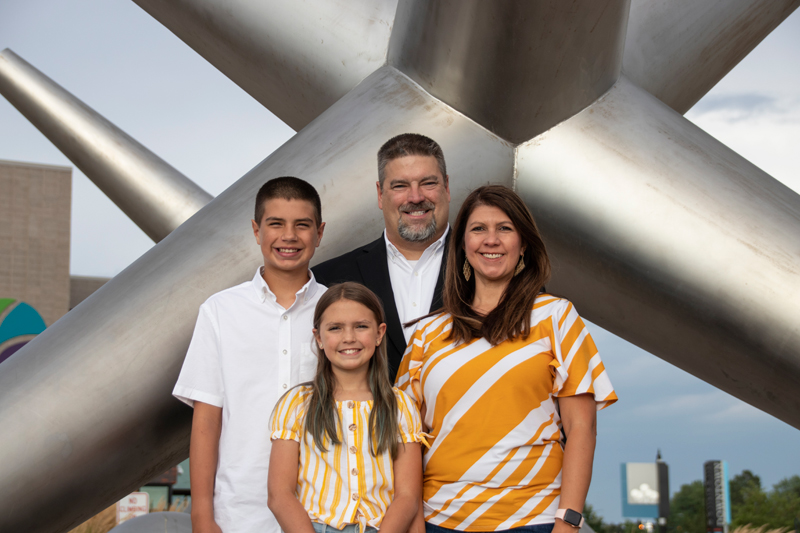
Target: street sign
(133,505)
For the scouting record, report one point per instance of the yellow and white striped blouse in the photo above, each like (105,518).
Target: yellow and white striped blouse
(346,484)
(495,461)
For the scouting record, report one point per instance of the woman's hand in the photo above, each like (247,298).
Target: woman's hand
(563,527)
(579,419)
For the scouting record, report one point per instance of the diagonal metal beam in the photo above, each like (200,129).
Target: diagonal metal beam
(671,240)
(679,49)
(296,58)
(152,193)
(88,401)
(501,64)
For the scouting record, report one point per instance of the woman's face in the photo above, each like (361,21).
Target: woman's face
(348,334)
(492,244)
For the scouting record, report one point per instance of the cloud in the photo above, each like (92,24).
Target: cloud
(739,107)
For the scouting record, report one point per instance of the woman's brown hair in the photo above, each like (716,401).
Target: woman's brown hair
(512,316)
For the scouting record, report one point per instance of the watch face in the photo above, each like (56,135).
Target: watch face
(572,518)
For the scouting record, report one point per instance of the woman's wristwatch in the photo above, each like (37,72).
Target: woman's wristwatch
(573,518)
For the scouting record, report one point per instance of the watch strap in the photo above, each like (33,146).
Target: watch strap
(573,518)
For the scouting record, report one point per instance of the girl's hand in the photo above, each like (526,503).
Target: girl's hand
(407,489)
(284,462)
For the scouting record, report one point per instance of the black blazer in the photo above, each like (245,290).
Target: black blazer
(368,265)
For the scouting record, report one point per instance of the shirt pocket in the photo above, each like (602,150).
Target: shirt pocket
(308,362)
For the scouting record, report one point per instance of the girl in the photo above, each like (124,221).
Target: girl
(345,452)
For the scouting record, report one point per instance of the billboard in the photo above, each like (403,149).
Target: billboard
(645,490)
(718,497)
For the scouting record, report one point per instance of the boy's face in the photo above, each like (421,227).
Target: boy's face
(287,234)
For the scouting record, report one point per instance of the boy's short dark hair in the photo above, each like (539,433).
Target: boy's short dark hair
(288,188)
(409,144)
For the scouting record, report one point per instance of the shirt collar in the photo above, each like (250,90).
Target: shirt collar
(263,292)
(434,247)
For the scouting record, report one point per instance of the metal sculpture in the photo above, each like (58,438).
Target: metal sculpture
(659,233)
(153,194)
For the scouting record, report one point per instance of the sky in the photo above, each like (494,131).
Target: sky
(133,71)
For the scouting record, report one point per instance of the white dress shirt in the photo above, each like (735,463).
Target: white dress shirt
(413,282)
(246,351)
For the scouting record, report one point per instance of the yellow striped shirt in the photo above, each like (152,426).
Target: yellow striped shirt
(495,461)
(346,484)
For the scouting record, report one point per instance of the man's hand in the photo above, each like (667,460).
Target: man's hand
(203,454)
(205,525)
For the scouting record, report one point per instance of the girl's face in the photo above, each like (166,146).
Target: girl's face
(348,334)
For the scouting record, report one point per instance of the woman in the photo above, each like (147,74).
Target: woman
(508,382)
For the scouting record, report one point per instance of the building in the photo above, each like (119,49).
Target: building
(35,205)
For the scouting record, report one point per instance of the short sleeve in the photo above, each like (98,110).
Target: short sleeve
(578,367)
(201,375)
(287,416)
(409,373)
(408,419)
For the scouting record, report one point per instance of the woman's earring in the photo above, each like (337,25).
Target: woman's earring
(467,270)
(520,265)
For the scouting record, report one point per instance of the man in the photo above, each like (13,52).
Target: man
(405,265)
(250,345)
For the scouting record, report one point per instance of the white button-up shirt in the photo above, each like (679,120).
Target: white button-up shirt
(413,282)
(246,351)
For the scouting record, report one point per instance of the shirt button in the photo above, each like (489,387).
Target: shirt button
(286,317)
(355,497)
(351,427)
(414,304)
(354,471)
(285,385)
(416,274)
(285,352)
(350,405)
(353,449)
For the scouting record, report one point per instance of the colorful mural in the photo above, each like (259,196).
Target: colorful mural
(19,323)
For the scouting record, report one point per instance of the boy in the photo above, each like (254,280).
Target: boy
(252,343)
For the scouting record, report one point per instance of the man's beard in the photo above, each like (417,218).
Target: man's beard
(411,233)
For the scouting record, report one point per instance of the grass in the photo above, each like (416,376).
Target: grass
(761,529)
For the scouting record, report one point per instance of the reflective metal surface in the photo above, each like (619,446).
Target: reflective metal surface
(296,58)
(154,195)
(89,399)
(658,232)
(668,238)
(679,49)
(163,522)
(500,62)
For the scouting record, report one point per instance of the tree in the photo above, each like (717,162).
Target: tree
(784,502)
(594,520)
(687,509)
(741,483)
(775,509)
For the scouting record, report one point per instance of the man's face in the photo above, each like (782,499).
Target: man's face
(415,199)
(287,234)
